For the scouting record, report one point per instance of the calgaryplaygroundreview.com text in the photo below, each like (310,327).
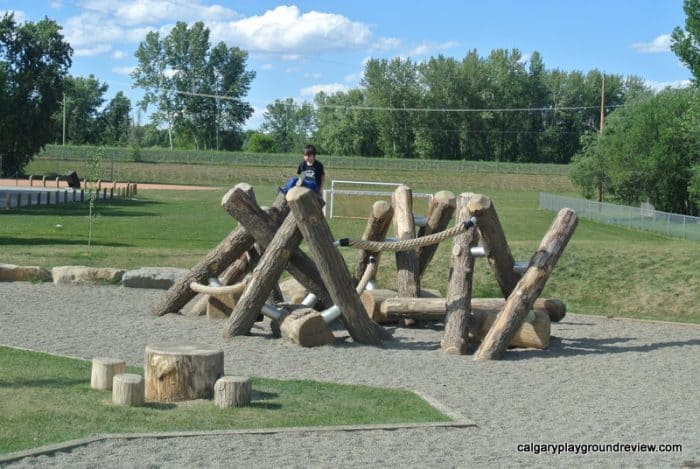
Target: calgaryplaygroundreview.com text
(586,448)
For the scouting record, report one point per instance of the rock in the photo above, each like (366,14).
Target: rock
(16,273)
(152,277)
(78,274)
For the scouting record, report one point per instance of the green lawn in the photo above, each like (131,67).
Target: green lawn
(47,399)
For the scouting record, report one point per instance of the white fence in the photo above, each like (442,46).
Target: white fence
(329,194)
(671,224)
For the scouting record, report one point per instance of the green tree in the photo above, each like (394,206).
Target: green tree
(258,142)
(195,90)
(116,121)
(343,128)
(83,99)
(686,43)
(289,124)
(34,61)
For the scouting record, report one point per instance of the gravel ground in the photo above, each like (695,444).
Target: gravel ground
(602,381)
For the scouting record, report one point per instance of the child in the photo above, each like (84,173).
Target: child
(310,171)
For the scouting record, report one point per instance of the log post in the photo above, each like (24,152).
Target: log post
(264,277)
(534,332)
(334,272)
(407,278)
(128,389)
(263,228)
(440,212)
(306,327)
(494,240)
(103,371)
(232,391)
(372,301)
(520,301)
(459,287)
(182,371)
(215,262)
(377,225)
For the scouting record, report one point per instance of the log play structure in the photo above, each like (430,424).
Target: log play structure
(238,281)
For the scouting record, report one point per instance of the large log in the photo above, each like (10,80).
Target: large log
(213,264)
(372,301)
(263,228)
(534,332)
(377,226)
(307,328)
(264,277)
(440,212)
(530,286)
(182,371)
(435,309)
(407,278)
(334,272)
(459,286)
(494,240)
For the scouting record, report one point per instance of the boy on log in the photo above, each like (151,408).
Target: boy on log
(310,172)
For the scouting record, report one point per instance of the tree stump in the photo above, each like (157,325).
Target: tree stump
(181,371)
(127,389)
(103,371)
(307,328)
(232,391)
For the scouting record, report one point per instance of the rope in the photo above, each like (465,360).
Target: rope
(408,244)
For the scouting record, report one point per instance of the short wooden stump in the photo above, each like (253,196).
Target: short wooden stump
(127,389)
(232,391)
(103,371)
(182,371)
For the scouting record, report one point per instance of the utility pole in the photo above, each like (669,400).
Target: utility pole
(64,119)
(602,104)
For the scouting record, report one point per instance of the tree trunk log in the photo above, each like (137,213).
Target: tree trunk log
(440,212)
(263,228)
(377,226)
(372,301)
(334,271)
(232,391)
(103,371)
(214,263)
(459,287)
(182,371)
(128,389)
(407,278)
(529,287)
(307,328)
(265,276)
(494,240)
(534,332)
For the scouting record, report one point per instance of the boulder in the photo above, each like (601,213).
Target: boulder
(161,278)
(17,273)
(78,274)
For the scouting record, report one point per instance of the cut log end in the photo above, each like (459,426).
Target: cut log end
(128,389)
(232,391)
(103,372)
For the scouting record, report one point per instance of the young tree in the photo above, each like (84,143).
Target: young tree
(34,61)
(686,44)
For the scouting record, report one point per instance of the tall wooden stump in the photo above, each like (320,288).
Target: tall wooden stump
(459,288)
(407,278)
(103,371)
(334,272)
(440,212)
(494,240)
(181,371)
(520,301)
(377,225)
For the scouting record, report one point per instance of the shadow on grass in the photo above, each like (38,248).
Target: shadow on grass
(112,208)
(40,383)
(10,241)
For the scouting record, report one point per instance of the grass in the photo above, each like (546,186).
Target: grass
(47,399)
(605,270)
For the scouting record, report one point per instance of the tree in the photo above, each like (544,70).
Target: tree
(116,122)
(342,128)
(686,44)
(34,61)
(258,142)
(83,99)
(289,124)
(196,91)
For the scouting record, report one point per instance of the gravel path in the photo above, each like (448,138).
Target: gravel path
(602,381)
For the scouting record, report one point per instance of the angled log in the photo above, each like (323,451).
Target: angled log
(263,228)
(213,264)
(264,277)
(377,226)
(407,278)
(494,240)
(440,212)
(459,287)
(520,301)
(334,272)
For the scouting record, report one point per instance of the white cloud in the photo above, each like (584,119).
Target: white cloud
(661,85)
(429,47)
(119,55)
(20,17)
(285,29)
(353,78)
(329,88)
(267,67)
(86,51)
(56,5)
(313,75)
(660,44)
(386,44)
(123,70)
(133,12)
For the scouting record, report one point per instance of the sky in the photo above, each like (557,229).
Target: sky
(298,49)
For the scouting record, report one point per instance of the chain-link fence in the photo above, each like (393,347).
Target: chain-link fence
(671,224)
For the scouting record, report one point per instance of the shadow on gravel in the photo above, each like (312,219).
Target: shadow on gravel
(574,347)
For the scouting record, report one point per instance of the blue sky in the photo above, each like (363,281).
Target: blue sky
(300,48)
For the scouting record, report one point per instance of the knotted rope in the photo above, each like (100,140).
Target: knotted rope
(408,244)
